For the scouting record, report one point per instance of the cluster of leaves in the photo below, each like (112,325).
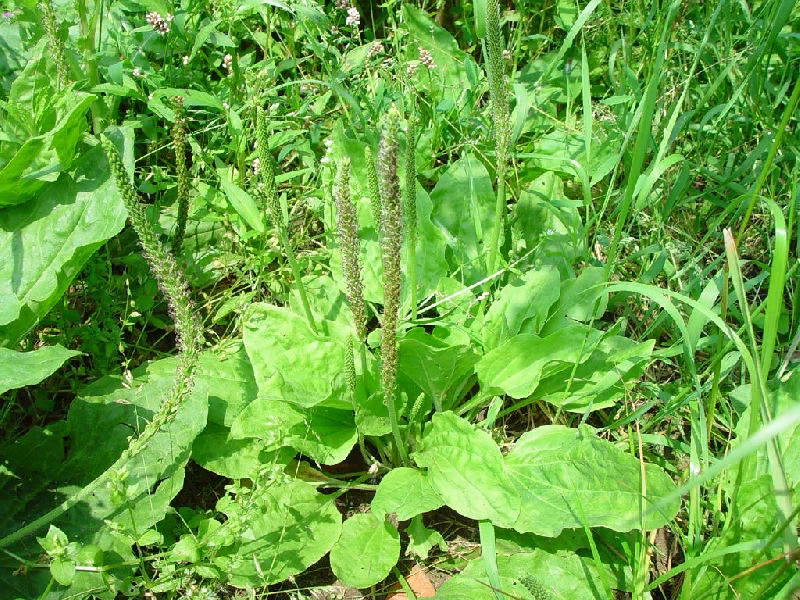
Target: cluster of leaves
(564,509)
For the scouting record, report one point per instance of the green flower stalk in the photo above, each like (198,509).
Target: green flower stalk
(267,191)
(189,332)
(410,201)
(347,226)
(498,94)
(372,183)
(179,142)
(55,42)
(391,246)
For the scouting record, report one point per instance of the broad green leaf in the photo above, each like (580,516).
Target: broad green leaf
(63,570)
(226,373)
(283,351)
(286,529)
(366,552)
(191,98)
(435,366)
(581,299)
(421,539)
(48,242)
(516,367)
(565,475)
(242,202)
(405,492)
(323,433)
(46,128)
(205,33)
(372,416)
(430,255)
(522,304)
(18,369)
(431,244)
(567,13)
(466,468)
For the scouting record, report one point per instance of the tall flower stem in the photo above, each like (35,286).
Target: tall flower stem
(268,192)
(189,337)
(54,41)
(498,95)
(391,247)
(179,142)
(411,210)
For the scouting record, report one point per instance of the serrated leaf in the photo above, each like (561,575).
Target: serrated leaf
(566,476)
(366,551)
(466,468)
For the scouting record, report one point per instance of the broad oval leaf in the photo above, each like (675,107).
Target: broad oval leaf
(366,551)
(569,478)
(466,468)
(405,492)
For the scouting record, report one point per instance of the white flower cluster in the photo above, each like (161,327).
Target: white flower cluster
(353,18)
(159,23)
(227,62)
(328,146)
(375,48)
(256,165)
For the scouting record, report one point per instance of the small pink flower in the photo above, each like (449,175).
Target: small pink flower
(159,23)
(426,58)
(353,18)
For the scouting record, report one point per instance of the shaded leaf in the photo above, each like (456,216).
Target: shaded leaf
(18,369)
